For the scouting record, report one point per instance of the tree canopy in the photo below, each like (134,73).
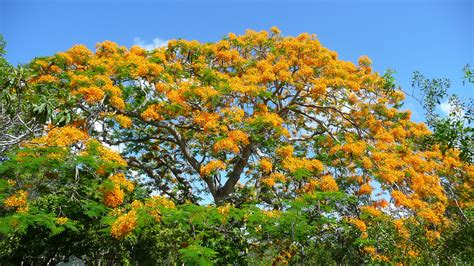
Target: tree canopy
(227,147)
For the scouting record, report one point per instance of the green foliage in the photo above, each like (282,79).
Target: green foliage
(65,187)
(455,129)
(198,255)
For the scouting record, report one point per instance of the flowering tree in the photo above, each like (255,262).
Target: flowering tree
(261,119)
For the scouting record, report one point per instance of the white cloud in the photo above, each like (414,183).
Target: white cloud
(452,109)
(445,107)
(157,42)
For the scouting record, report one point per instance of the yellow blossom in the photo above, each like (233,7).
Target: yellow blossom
(365,189)
(91,94)
(359,224)
(122,181)
(272,213)
(371,210)
(292,164)
(114,197)
(285,151)
(269,181)
(226,144)
(62,136)
(123,121)
(275,30)
(327,183)
(239,136)
(16,200)
(212,166)
(117,102)
(61,220)
(124,225)
(266,165)
(370,250)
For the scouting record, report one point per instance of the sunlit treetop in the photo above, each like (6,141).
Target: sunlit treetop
(259,118)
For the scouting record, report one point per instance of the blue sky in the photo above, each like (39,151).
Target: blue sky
(435,37)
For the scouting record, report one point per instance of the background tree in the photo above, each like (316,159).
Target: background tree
(16,122)
(23,112)
(455,129)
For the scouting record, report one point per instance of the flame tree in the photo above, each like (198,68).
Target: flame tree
(266,120)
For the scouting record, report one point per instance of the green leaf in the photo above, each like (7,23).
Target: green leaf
(196,254)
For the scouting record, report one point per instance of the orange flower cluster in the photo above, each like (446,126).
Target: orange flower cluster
(160,201)
(18,201)
(359,224)
(285,151)
(123,121)
(266,165)
(224,212)
(233,115)
(91,94)
(239,136)
(226,144)
(273,178)
(208,121)
(402,231)
(62,136)
(371,210)
(108,155)
(124,224)
(231,142)
(292,164)
(369,250)
(114,197)
(122,181)
(154,204)
(152,113)
(212,166)
(45,79)
(365,189)
(327,183)
(269,181)
(356,148)
(271,119)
